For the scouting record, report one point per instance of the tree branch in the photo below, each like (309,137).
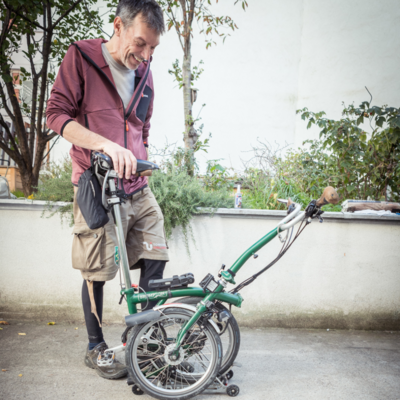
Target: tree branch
(7,24)
(23,16)
(88,12)
(28,41)
(35,80)
(191,12)
(12,153)
(64,15)
(7,150)
(46,52)
(175,23)
(50,135)
(18,121)
(5,106)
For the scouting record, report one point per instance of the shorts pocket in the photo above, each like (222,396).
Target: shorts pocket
(86,248)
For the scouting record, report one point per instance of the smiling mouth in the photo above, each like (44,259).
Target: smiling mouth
(137,59)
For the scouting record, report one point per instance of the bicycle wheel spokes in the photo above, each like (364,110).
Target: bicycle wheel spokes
(164,374)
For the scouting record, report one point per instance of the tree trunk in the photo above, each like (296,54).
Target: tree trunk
(191,136)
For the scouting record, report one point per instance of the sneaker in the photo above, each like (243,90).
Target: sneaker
(114,371)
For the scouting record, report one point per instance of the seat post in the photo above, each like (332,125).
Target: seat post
(121,239)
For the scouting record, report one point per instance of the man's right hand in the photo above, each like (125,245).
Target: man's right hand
(122,159)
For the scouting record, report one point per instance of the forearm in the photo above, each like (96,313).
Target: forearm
(80,136)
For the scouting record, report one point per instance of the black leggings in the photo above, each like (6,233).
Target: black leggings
(149,269)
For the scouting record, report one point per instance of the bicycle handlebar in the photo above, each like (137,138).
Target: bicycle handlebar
(292,218)
(329,195)
(143,167)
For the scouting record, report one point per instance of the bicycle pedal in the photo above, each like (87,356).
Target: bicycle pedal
(105,359)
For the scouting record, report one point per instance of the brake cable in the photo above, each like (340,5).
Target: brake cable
(283,250)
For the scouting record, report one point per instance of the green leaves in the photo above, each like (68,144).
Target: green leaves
(199,10)
(360,119)
(379,121)
(359,165)
(395,121)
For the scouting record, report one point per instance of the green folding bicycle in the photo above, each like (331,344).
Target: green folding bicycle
(179,349)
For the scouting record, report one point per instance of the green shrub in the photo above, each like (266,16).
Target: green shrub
(217,177)
(357,164)
(179,195)
(55,185)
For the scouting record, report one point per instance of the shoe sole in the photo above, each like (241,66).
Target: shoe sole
(88,363)
(118,375)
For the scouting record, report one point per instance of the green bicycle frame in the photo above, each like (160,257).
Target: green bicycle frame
(236,299)
(133,298)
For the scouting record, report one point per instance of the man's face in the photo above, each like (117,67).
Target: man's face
(136,43)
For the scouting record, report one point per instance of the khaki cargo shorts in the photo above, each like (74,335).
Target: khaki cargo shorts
(93,250)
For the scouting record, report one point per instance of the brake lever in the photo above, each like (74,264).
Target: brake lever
(291,208)
(313,211)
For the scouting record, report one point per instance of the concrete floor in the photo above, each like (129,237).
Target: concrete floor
(276,364)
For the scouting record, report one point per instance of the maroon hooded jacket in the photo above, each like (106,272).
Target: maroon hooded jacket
(84,91)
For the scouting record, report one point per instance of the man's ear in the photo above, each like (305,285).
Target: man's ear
(118,26)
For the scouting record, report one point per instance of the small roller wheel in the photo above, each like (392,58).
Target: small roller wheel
(232,390)
(136,390)
(229,375)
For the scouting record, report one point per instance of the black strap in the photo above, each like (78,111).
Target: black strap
(140,90)
(231,272)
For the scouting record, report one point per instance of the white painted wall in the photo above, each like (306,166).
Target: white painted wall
(286,55)
(340,274)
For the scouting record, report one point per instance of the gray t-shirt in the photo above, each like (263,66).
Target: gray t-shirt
(124,78)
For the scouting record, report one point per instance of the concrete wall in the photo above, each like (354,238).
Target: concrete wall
(344,273)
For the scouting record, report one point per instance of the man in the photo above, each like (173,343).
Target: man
(102,100)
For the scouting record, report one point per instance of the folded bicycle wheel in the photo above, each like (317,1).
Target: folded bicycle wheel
(229,333)
(159,374)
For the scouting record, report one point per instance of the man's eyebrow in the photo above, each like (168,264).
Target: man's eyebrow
(140,38)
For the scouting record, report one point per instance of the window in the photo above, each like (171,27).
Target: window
(17,84)
(26,92)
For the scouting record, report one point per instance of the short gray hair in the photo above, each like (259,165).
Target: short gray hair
(149,10)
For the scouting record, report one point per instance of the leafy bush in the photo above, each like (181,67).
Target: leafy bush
(179,195)
(217,177)
(357,164)
(55,185)
(262,190)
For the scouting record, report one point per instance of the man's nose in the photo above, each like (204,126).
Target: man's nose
(146,53)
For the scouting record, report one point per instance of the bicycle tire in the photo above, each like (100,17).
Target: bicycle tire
(158,383)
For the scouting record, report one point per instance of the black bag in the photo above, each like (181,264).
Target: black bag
(89,200)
